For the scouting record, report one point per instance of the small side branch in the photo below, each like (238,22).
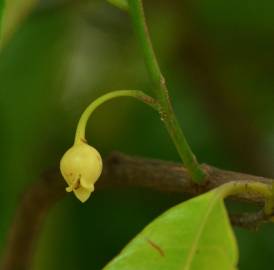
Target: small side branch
(119,171)
(250,221)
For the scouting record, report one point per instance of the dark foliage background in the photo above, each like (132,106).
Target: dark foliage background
(218,59)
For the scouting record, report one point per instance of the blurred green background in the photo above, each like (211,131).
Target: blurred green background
(218,60)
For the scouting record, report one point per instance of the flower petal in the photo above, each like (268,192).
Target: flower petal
(82,193)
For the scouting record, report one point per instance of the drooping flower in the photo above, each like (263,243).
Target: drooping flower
(81,166)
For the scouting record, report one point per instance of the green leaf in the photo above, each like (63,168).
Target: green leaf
(195,235)
(122,4)
(2,4)
(13,14)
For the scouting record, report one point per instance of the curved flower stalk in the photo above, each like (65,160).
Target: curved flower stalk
(81,166)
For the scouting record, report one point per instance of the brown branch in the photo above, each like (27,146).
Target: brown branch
(119,171)
(28,220)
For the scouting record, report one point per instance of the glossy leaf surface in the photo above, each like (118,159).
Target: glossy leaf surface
(194,235)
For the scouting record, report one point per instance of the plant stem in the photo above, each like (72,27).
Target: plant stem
(161,92)
(81,127)
(235,188)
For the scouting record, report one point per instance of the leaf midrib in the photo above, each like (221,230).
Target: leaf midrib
(198,235)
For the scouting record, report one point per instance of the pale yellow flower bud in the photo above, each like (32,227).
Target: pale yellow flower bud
(81,166)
